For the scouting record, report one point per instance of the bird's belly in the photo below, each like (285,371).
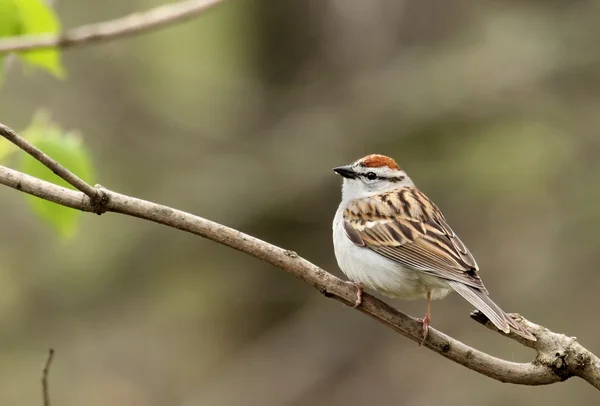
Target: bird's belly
(384,275)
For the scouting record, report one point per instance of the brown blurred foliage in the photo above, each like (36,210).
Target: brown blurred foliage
(239,116)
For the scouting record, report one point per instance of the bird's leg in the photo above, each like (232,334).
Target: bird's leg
(425,320)
(359,292)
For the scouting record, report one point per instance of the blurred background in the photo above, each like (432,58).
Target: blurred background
(238,116)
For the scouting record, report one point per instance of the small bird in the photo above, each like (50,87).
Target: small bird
(388,236)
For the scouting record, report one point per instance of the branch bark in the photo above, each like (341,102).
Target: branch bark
(132,24)
(558,357)
(48,162)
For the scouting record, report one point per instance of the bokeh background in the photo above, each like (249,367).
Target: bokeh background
(238,116)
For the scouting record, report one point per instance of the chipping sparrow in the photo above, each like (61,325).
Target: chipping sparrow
(388,236)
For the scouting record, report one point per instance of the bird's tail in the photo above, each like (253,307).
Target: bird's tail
(493,312)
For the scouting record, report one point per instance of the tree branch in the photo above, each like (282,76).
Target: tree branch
(45,372)
(48,162)
(558,352)
(96,195)
(109,30)
(558,357)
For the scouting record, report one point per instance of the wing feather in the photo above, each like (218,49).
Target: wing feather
(406,227)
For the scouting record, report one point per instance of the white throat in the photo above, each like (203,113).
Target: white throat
(353,189)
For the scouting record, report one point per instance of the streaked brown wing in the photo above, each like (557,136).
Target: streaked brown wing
(405,226)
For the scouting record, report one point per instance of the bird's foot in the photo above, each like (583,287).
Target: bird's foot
(425,322)
(359,292)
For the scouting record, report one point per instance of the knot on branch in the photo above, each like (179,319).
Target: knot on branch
(563,355)
(100,200)
(291,254)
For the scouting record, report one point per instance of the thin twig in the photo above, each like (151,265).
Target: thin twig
(50,163)
(109,30)
(45,372)
(528,373)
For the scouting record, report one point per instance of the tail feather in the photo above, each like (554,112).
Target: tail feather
(493,312)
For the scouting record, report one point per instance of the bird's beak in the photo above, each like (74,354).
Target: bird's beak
(345,171)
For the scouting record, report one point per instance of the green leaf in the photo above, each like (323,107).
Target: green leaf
(67,149)
(9,23)
(36,17)
(30,17)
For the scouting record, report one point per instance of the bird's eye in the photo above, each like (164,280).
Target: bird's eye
(371,175)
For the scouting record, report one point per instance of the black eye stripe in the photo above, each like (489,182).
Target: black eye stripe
(373,176)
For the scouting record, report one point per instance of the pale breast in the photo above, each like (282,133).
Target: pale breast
(376,272)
